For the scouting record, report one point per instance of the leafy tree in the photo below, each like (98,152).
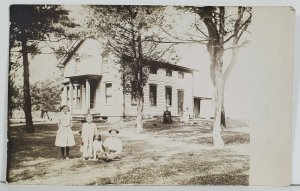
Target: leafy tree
(15,98)
(30,25)
(128,36)
(45,95)
(221,29)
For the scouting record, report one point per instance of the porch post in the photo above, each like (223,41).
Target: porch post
(71,97)
(87,95)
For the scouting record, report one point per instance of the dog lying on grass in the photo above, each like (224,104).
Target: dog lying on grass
(98,147)
(108,150)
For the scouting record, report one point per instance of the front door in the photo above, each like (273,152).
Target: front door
(180,97)
(93,84)
(197,107)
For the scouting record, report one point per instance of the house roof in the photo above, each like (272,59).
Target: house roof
(159,64)
(70,53)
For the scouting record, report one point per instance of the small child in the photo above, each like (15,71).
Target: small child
(88,133)
(185,116)
(113,146)
(64,136)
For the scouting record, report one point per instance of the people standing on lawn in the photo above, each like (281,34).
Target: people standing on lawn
(88,134)
(64,136)
(113,146)
(167,116)
(185,116)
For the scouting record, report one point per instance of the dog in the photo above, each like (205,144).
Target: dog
(97,147)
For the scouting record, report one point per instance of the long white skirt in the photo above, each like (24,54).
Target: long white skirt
(64,137)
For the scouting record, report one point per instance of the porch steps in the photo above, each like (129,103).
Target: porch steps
(96,118)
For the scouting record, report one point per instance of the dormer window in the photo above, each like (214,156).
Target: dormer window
(180,75)
(168,72)
(105,65)
(104,58)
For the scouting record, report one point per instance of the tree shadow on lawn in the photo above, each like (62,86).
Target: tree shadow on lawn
(38,144)
(200,134)
(207,168)
(229,138)
(25,148)
(220,179)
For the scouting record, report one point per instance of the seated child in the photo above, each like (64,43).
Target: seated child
(88,133)
(113,146)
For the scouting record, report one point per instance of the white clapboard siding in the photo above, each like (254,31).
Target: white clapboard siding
(86,60)
(161,81)
(115,108)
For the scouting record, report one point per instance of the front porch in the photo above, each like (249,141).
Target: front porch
(79,93)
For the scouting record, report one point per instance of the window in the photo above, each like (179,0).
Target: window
(105,65)
(152,95)
(108,93)
(180,98)
(168,95)
(133,100)
(104,58)
(74,100)
(153,70)
(168,72)
(77,96)
(180,74)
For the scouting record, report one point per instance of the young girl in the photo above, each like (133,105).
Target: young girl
(65,137)
(88,133)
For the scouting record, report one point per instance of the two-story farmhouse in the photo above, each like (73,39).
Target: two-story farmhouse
(93,83)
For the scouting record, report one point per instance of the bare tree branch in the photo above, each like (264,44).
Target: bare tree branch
(166,50)
(237,46)
(242,27)
(201,31)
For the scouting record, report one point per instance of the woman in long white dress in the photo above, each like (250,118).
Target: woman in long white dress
(64,136)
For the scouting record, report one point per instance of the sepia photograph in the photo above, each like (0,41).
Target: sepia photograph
(142,94)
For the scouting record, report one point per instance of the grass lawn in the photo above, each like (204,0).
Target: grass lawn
(172,154)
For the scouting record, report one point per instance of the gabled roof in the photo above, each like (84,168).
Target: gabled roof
(70,53)
(161,64)
(148,62)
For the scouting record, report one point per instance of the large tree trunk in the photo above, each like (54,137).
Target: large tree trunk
(228,70)
(139,119)
(217,78)
(26,87)
(217,139)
